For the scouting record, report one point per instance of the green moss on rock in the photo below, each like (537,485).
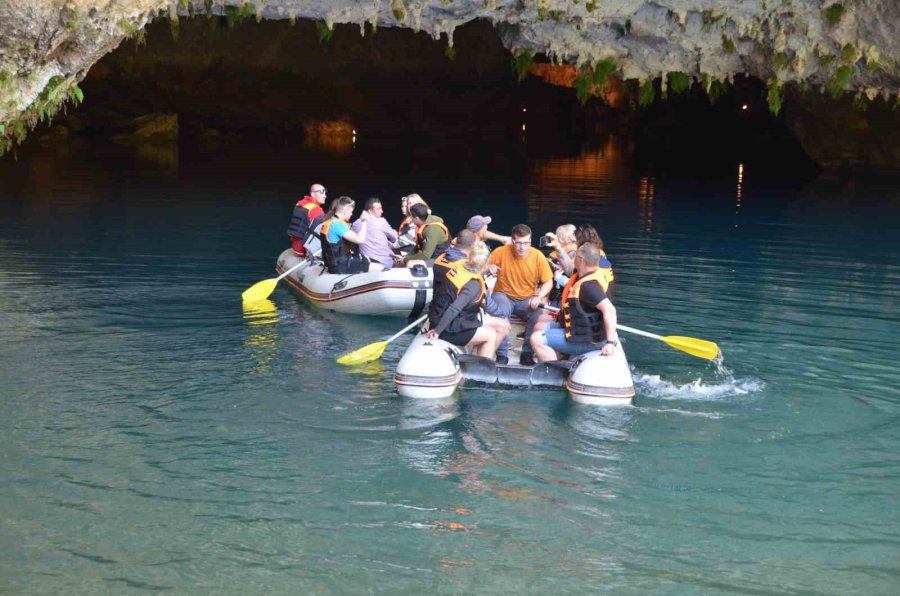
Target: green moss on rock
(833,14)
(521,63)
(646,93)
(775,97)
(679,82)
(728,44)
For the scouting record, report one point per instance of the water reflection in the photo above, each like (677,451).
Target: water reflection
(430,451)
(646,195)
(603,428)
(586,187)
(425,413)
(524,112)
(601,434)
(333,136)
(262,343)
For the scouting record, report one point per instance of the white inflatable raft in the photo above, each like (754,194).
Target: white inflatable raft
(434,369)
(397,292)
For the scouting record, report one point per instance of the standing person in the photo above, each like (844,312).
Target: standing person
(339,243)
(432,237)
(379,235)
(524,280)
(479,225)
(455,312)
(306,216)
(588,316)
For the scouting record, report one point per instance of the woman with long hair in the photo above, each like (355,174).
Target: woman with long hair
(455,312)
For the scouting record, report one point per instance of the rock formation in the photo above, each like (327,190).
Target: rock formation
(848,49)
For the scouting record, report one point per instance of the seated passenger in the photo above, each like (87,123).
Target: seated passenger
(459,250)
(588,318)
(307,215)
(479,225)
(379,234)
(406,232)
(455,311)
(432,236)
(340,244)
(524,280)
(584,234)
(564,245)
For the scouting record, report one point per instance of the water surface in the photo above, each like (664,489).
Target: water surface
(158,436)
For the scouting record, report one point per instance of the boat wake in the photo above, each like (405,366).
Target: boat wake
(722,386)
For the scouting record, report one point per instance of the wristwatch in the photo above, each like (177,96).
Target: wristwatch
(614,342)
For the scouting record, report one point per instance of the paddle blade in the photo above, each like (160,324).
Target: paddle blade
(259,290)
(364,354)
(693,346)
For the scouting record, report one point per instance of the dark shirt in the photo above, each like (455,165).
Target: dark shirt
(466,296)
(590,295)
(490,307)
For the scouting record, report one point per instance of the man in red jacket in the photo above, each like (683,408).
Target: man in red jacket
(306,211)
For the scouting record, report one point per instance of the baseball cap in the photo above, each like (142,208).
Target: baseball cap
(476,222)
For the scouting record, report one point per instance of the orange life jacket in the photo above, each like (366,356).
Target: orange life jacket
(457,277)
(420,237)
(581,324)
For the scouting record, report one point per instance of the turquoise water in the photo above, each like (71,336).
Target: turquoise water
(156,436)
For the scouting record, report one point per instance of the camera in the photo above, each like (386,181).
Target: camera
(545,240)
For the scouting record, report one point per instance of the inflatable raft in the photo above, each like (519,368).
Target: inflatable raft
(398,292)
(434,369)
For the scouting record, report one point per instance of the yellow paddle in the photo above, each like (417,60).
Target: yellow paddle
(693,346)
(375,350)
(261,289)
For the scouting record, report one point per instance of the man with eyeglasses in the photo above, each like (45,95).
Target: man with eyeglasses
(307,215)
(524,280)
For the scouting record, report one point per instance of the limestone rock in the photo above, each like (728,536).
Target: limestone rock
(152,129)
(841,45)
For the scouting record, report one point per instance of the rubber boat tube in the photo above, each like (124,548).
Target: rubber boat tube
(396,292)
(433,369)
(428,369)
(601,380)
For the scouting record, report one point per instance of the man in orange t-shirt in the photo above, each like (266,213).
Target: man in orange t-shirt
(524,280)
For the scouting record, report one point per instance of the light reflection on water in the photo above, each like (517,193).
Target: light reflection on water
(263,342)
(159,435)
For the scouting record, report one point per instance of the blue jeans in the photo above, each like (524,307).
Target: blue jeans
(510,306)
(555,337)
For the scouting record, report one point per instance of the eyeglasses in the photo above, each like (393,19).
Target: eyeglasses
(321,190)
(404,199)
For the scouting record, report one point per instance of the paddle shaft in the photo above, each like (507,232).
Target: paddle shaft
(638,332)
(405,329)
(291,270)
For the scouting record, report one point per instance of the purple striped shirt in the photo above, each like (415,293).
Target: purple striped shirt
(379,236)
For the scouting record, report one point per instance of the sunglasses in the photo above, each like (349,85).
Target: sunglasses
(404,199)
(321,190)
